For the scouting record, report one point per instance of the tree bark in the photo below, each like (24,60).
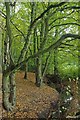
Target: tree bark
(8,81)
(38,60)
(38,72)
(79,55)
(6,93)
(55,63)
(43,39)
(46,65)
(26,70)
(12,97)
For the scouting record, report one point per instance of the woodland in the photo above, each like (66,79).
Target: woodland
(40,59)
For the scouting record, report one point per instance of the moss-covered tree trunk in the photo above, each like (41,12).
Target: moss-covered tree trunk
(38,60)
(41,45)
(36,44)
(8,82)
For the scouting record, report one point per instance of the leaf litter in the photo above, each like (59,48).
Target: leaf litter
(31,101)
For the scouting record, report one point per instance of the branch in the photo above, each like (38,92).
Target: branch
(64,24)
(45,65)
(68,52)
(3,28)
(71,7)
(72,53)
(67,44)
(53,46)
(2,14)
(70,40)
(18,29)
(61,18)
(25,47)
(59,42)
(50,7)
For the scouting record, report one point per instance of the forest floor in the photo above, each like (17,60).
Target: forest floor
(32,101)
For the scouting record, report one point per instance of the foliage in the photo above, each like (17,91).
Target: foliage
(36,31)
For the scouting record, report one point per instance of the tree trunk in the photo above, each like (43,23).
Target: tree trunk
(12,96)
(79,55)
(55,63)
(8,82)
(37,61)
(6,92)
(45,66)
(40,45)
(38,72)
(9,96)
(26,70)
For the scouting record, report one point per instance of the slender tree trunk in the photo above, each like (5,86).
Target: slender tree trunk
(40,45)
(55,63)
(45,66)
(38,72)
(26,70)
(38,61)
(55,54)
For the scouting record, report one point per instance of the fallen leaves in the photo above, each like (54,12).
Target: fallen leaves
(31,100)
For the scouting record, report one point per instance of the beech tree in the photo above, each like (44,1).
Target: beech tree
(8,80)
(45,19)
